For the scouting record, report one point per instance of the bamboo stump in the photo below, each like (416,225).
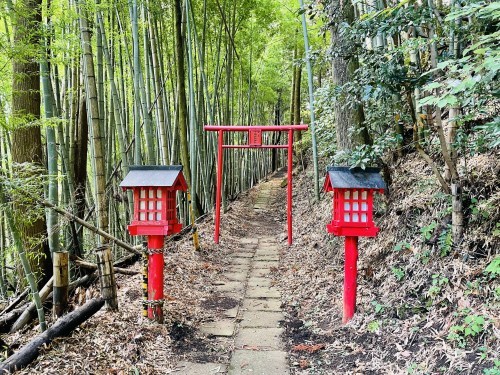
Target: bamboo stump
(107,277)
(61,282)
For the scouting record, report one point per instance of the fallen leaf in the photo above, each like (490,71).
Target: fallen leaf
(304,363)
(169,298)
(308,348)
(406,353)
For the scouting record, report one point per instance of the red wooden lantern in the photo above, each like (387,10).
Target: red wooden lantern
(353,200)
(352,217)
(155,216)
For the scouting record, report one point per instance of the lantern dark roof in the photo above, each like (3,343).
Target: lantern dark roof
(355,178)
(155,176)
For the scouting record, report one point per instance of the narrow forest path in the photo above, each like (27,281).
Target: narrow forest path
(254,323)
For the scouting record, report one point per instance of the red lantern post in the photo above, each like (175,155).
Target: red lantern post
(352,217)
(155,216)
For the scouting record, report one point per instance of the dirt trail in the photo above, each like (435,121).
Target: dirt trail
(253,324)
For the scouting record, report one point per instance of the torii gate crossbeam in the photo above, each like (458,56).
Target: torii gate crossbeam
(254,141)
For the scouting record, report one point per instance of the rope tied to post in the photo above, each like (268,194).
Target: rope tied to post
(154,303)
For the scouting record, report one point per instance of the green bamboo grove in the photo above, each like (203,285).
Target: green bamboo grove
(132,83)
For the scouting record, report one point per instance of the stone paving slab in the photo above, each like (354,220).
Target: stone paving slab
(259,282)
(259,337)
(237,260)
(265,264)
(256,304)
(242,254)
(271,362)
(260,272)
(266,258)
(218,282)
(232,313)
(267,250)
(230,286)
(261,292)
(261,319)
(191,368)
(260,207)
(223,328)
(236,276)
(248,248)
(249,240)
(238,268)
(267,239)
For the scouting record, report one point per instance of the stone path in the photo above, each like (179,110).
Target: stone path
(255,325)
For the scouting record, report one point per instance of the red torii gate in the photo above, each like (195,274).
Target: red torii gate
(254,141)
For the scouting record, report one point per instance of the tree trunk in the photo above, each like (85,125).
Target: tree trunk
(311,101)
(26,138)
(80,168)
(346,116)
(296,100)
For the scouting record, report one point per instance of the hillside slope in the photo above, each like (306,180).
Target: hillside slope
(417,296)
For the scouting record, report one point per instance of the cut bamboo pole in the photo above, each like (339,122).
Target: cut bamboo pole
(61,282)
(107,277)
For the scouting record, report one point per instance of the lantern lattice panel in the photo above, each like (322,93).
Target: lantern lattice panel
(149,205)
(353,207)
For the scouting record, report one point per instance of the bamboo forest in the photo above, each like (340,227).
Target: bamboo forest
(263,187)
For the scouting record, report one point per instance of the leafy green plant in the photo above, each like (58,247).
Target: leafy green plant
(496,231)
(472,325)
(373,326)
(425,256)
(483,350)
(493,269)
(403,245)
(438,282)
(399,273)
(379,308)
(445,241)
(495,370)
(427,230)
(478,210)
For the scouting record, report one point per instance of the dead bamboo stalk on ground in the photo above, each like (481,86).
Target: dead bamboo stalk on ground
(63,326)
(29,309)
(26,315)
(15,302)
